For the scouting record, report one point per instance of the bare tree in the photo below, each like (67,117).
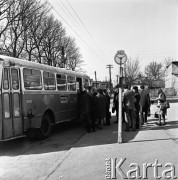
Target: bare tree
(168,61)
(6,6)
(35,33)
(53,40)
(131,70)
(31,32)
(154,71)
(15,36)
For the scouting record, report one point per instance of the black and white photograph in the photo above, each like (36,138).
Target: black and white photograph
(88,89)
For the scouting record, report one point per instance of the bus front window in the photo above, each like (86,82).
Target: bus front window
(6,79)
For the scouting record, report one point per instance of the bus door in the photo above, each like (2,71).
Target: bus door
(12,118)
(79,84)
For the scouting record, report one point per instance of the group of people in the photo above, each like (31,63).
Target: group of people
(135,106)
(95,107)
(95,104)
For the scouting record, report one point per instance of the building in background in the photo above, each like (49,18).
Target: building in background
(102,84)
(171,76)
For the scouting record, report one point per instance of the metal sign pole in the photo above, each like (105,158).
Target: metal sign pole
(120,115)
(120,58)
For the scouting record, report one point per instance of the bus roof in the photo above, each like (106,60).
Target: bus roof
(29,64)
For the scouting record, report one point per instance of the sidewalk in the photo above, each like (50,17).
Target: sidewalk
(86,161)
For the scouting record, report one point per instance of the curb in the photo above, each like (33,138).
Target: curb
(59,162)
(56,165)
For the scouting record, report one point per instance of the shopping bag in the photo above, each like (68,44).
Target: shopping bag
(156,115)
(167,105)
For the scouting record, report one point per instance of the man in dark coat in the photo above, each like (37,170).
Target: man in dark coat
(100,101)
(115,102)
(107,107)
(88,108)
(136,106)
(144,104)
(116,105)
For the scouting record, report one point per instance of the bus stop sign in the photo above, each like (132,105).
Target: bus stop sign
(120,57)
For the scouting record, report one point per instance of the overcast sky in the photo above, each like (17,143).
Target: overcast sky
(147,29)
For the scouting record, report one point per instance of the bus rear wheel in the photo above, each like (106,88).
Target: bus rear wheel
(44,131)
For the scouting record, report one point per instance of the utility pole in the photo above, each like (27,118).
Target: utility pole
(95,79)
(110,80)
(117,79)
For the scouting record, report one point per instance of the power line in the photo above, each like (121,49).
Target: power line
(110,80)
(81,21)
(65,11)
(75,32)
(71,17)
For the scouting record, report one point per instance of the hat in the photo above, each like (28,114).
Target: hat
(125,86)
(135,87)
(142,87)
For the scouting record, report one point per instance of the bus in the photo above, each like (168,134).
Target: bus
(34,96)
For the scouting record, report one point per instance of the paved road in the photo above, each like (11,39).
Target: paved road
(172,120)
(87,160)
(24,159)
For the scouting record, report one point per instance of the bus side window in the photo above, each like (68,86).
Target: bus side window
(49,81)
(32,79)
(71,82)
(61,82)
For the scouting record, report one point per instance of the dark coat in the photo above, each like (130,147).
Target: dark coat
(88,102)
(115,100)
(100,101)
(137,101)
(107,101)
(128,99)
(144,100)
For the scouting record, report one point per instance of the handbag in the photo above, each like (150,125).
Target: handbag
(167,105)
(164,105)
(156,115)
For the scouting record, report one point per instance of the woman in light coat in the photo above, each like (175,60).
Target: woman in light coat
(162,109)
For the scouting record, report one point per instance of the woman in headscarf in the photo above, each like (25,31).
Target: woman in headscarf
(162,109)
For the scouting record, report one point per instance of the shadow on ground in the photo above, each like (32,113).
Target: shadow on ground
(63,137)
(68,135)
(152,125)
(109,135)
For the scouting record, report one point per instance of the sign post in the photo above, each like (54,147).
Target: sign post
(120,58)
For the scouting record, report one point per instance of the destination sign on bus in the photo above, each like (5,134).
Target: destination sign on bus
(64,99)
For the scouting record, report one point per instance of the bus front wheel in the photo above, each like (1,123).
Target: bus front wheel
(44,131)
